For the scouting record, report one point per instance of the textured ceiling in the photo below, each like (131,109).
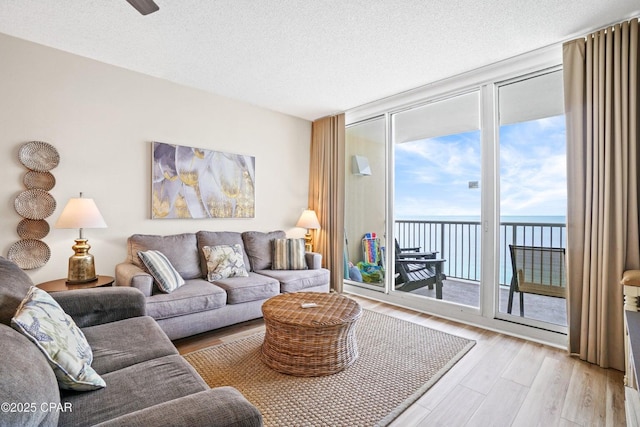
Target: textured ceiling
(306,58)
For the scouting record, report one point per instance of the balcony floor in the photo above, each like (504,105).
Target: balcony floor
(538,307)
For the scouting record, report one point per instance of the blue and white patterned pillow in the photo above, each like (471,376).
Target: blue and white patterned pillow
(41,319)
(224,261)
(166,277)
(288,254)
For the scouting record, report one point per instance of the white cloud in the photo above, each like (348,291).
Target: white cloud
(440,159)
(533,168)
(432,175)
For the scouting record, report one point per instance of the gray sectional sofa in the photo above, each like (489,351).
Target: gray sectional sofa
(198,305)
(147,382)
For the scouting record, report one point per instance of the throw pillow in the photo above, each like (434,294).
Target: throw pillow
(165,276)
(41,319)
(224,261)
(288,254)
(216,238)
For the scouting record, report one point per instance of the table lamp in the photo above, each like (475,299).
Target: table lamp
(81,213)
(308,220)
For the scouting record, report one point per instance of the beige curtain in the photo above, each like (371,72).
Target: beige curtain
(326,193)
(601,103)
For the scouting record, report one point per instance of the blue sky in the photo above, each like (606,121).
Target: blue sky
(432,176)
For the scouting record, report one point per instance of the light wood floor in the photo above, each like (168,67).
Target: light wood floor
(502,381)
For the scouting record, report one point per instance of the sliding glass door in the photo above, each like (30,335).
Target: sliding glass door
(437,170)
(533,200)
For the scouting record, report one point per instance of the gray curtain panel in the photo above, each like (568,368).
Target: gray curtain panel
(601,74)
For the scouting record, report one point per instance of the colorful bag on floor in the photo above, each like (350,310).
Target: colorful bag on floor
(371,273)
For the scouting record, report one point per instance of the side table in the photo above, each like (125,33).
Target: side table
(62,285)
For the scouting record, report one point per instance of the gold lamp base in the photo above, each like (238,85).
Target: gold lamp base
(308,242)
(82,268)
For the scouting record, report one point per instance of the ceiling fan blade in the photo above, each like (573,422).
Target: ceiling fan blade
(145,7)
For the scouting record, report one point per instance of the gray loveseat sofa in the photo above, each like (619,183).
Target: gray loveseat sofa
(147,382)
(198,305)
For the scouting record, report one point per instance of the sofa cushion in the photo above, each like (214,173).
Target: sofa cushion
(133,388)
(224,261)
(298,280)
(180,249)
(26,377)
(215,238)
(258,247)
(194,296)
(113,349)
(41,319)
(15,286)
(288,254)
(167,279)
(254,287)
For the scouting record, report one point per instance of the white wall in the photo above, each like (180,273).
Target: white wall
(365,201)
(102,119)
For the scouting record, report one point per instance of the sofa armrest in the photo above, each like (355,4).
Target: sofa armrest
(128,274)
(222,406)
(314,260)
(90,307)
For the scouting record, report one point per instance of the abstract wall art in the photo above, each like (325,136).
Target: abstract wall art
(190,182)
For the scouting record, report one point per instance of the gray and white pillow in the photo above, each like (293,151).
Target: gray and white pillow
(41,319)
(224,261)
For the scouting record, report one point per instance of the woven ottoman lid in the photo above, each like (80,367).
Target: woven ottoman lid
(331,309)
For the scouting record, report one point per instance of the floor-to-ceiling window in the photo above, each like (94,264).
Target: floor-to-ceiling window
(473,166)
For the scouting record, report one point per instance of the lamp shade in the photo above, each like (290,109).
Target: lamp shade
(308,220)
(80,213)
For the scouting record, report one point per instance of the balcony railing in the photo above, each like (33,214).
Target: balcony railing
(459,242)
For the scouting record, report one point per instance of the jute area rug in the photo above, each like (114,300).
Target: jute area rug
(398,362)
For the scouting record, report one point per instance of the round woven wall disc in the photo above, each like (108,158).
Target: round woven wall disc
(39,156)
(33,229)
(29,253)
(42,180)
(35,204)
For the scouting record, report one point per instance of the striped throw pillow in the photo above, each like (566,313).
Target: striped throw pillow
(165,276)
(288,254)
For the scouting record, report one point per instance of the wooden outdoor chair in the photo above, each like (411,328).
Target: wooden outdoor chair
(415,269)
(536,270)
(416,253)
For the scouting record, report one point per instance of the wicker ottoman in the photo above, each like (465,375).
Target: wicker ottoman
(309,342)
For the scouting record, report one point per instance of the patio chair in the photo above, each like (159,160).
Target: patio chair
(372,252)
(416,253)
(416,269)
(536,270)
(372,266)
